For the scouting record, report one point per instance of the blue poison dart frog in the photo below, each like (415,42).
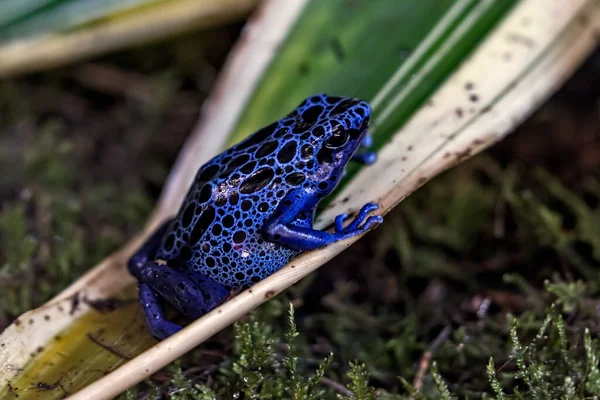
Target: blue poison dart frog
(251,210)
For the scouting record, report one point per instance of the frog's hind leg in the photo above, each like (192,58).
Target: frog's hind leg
(192,295)
(154,314)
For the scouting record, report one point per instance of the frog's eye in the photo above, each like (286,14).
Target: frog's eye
(338,139)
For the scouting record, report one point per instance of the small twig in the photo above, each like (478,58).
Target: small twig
(505,364)
(337,386)
(426,357)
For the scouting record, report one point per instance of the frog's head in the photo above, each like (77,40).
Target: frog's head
(337,127)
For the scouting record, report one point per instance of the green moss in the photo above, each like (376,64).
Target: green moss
(441,385)
(359,383)
(59,226)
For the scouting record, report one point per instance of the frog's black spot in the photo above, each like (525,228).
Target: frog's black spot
(205,247)
(205,193)
(311,115)
(325,156)
(287,152)
(316,99)
(226,247)
(288,169)
(282,131)
(249,167)
(318,131)
(246,205)
(239,236)
(262,207)
(234,198)
(228,221)
(343,107)
(360,111)
(323,185)
(259,136)
(255,279)
(225,260)
(216,229)
(267,149)
(248,223)
(238,161)
(169,242)
(280,193)
(307,151)
(257,181)
(237,214)
(310,164)
(206,218)
(300,128)
(338,139)
(185,254)
(220,200)
(208,173)
(239,276)
(221,212)
(295,179)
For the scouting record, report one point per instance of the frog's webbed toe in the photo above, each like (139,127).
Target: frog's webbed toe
(366,158)
(355,227)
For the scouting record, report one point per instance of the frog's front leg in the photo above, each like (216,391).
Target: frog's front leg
(366,157)
(279,227)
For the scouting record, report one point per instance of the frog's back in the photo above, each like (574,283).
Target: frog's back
(218,229)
